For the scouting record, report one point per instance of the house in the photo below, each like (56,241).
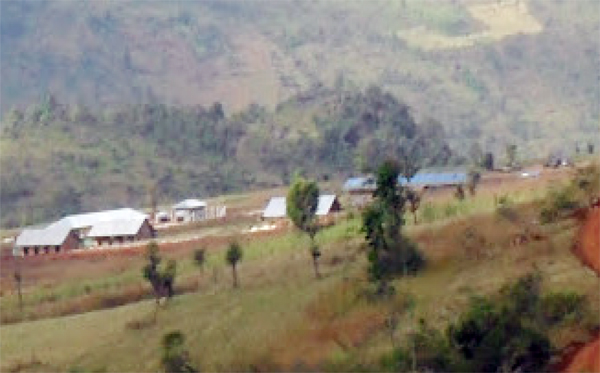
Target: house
(277,207)
(360,190)
(190,210)
(83,223)
(84,230)
(57,237)
(121,231)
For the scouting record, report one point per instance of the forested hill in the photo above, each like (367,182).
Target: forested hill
(59,158)
(493,71)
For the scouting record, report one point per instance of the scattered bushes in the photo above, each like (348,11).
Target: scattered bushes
(503,332)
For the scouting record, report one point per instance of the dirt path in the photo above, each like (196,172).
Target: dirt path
(587,357)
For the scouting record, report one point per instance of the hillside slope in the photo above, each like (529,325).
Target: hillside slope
(496,72)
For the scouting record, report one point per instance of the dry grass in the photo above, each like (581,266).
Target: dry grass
(501,20)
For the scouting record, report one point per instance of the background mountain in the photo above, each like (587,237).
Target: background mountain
(490,72)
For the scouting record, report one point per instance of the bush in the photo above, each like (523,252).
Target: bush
(557,307)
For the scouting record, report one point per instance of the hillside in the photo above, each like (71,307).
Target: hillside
(88,312)
(490,71)
(59,159)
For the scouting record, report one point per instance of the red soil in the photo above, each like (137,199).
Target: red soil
(587,357)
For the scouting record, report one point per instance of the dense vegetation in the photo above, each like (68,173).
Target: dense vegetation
(61,159)
(507,331)
(538,90)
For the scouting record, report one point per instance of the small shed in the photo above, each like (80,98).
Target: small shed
(276,208)
(190,210)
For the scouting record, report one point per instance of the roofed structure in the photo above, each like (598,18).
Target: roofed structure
(277,206)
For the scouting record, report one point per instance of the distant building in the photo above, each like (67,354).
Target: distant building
(82,230)
(277,207)
(436,178)
(189,210)
(57,237)
(360,190)
(121,231)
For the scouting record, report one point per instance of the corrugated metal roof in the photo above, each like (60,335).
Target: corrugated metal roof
(359,183)
(116,228)
(435,179)
(277,207)
(53,235)
(189,204)
(325,204)
(89,219)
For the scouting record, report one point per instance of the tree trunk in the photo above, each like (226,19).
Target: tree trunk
(235,278)
(316,266)
(415,217)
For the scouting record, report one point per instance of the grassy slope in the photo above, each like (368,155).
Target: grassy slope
(282,318)
(262,52)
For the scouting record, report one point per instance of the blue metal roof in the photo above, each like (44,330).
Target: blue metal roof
(435,179)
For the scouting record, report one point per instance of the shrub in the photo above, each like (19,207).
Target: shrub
(557,307)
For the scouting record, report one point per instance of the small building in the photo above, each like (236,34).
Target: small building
(121,231)
(277,207)
(162,217)
(189,210)
(436,178)
(360,190)
(55,238)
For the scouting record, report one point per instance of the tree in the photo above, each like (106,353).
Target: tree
(488,161)
(175,359)
(511,155)
(414,200)
(302,201)
(472,181)
(459,193)
(389,252)
(199,259)
(162,280)
(232,257)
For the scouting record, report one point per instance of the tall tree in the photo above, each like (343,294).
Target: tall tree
(232,257)
(302,202)
(390,253)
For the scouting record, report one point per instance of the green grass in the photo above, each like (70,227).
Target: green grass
(280,311)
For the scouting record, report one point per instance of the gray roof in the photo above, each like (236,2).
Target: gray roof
(92,218)
(277,207)
(190,204)
(325,204)
(53,235)
(116,228)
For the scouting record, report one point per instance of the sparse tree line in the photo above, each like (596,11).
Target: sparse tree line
(506,331)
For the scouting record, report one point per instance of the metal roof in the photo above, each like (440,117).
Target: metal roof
(359,183)
(435,179)
(53,235)
(115,228)
(277,207)
(90,219)
(325,204)
(190,204)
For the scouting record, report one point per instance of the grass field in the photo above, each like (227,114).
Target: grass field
(282,318)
